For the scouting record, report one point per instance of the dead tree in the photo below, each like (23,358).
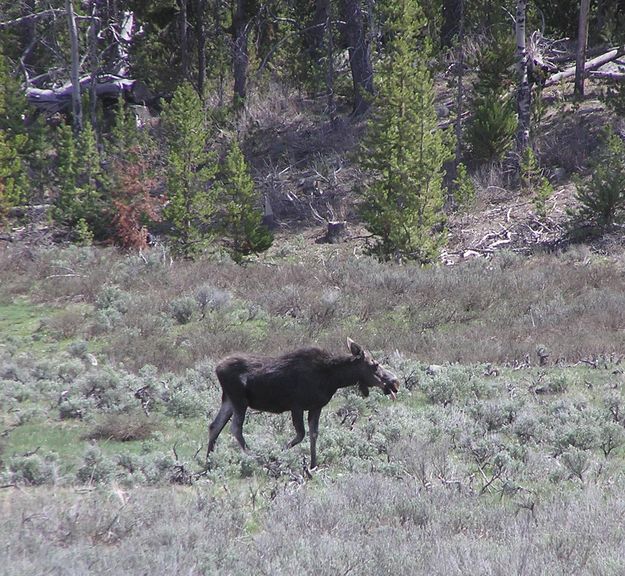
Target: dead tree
(524,92)
(75,68)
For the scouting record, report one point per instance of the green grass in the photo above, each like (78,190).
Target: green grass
(20,320)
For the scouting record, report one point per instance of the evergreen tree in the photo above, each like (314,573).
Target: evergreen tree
(403,149)
(82,194)
(493,122)
(123,135)
(602,198)
(13,142)
(242,221)
(190,171)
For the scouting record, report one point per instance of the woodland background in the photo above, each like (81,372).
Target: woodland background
(182,180)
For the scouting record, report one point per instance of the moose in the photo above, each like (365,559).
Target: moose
(299,381)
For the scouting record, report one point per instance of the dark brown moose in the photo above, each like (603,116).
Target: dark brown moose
(305,379)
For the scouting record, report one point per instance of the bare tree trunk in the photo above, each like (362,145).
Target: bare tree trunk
(93,64)
(359,55)
(452,173)
(184,41)
(239,49)
(75,70)
(330,70)
(318,30)
(524,93)
(460,86)
(200,34)
(452,14)
(582,42)
(219,35)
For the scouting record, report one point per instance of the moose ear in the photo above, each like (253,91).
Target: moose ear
(354,348)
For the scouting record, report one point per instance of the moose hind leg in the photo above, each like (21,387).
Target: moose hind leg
(298,423)
(217,425)
(313,432)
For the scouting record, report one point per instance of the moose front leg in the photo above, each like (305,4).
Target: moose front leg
(237,426)
(313,432)
(217,425)
(298,423)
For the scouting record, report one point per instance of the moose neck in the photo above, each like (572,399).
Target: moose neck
(343,371)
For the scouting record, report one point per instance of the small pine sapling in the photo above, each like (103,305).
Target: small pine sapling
(242,220)
(602,199)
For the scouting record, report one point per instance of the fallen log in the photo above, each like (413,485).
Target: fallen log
(593,64)
(51,100)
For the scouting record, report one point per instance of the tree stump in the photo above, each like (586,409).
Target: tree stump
(337,231)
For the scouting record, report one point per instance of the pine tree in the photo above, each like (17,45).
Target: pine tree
(242,221)
(81,183)
(13,142)
(602,199)
(124,135)
(190,171)
(403,149)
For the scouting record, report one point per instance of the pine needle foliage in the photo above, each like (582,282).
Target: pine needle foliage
(13,178)
(602,198)
(403,149)
(242,222)
(492,126)
(191,169)
(82,199)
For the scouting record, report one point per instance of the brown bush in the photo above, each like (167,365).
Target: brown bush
(123,428)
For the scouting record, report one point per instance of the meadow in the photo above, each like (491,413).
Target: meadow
(503,453)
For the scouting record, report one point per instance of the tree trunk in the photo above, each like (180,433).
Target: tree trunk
(318,30)
(93,64)
(582,41)
(75,69)
(359,55)
(239,50)
(524,92)
(331,103)
(200,35)
(452,14)
(219,44)
(183,38)
(459,104)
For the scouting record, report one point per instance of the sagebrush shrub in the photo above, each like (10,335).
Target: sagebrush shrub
(96,467)
(183,308)
(32,470)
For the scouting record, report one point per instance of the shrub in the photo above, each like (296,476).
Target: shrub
(182,309)
(33,470)
(96,467)
(211,298)
(123,428)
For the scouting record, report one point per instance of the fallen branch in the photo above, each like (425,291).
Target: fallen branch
(615,76)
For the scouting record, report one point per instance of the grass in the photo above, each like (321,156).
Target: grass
(488,463)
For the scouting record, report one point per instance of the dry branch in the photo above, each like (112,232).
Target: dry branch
(615,76)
